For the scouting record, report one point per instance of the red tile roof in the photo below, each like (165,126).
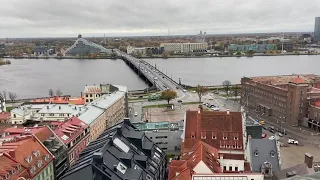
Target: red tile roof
(298,80)
(183,169)
(25,148)
(70,129)
(42,133)
(4,116)
(218,129)
(285,79)
(232,156)
(61,100)
(7,165)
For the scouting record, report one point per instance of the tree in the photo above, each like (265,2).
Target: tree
(226,87)
(149,52)
(139,54)
(12,96)
(238,53)
(58,92)
(51,93)
(236,92)
(4,93)
(165,55)
(168,95)
(201,90)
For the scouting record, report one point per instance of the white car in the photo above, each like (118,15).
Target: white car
(271,137)
(135,114)
(292,141)
(215,108)
(155,78)
(184,90)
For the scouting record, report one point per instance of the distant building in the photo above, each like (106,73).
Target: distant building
(58,112)
(166,135)
(48,139)
(75,135)
(264,156)
(28,152)
(184,47)
(317,29)
(252,47)
(120,153)
(44,50)
(284,99)
(85,47)
(313,119)
(92,92)
(105,111)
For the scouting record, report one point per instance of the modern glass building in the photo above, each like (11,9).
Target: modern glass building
(85,47)
(317,29)
(253,47)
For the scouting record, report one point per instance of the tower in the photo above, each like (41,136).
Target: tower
(317,29)
(2,104)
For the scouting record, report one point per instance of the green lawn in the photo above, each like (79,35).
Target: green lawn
(156,106)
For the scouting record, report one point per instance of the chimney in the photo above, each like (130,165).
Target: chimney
(228,112)
(98,159)
(200,109)
(308,159)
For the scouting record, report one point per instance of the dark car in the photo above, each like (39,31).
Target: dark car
(180,101)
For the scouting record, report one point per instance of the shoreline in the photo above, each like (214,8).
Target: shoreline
(156,57)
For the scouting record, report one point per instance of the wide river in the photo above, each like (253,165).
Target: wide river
(33,78)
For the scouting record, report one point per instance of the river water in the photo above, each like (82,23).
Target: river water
(34,77)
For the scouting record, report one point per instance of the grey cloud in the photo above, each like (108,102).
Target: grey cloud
(23,18)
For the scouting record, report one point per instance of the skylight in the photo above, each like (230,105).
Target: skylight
(121,145)
(122,168)
(64,137)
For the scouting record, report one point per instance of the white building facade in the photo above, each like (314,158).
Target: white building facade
(184,47)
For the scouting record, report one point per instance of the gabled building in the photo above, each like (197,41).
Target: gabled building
(264,156)
(32,155)
(74,133)
(59,112)
(120,153)
(11,169)
(46,136)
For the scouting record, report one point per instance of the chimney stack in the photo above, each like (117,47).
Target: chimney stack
(228,112)
(98,159)
(308,159)
(200,109)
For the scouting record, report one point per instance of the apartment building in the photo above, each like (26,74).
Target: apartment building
(10,169)
(58,112)
(184,47)
(213,148)
(28,152)
(75,135)
(48,139)
(120,153)
(107,110)
(283,99)
(313,119)
(166,135)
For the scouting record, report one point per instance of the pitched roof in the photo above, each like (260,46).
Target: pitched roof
(4,116)
(9,165)
(62,109)
(300,169)
(262,150)
(61,100)
(29,152)
(121,152)
(201,151)
(70,129)
(298,80)
(41,132)
(285,79)
(218,129)
(91,114)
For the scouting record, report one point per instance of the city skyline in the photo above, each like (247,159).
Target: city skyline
(65,19)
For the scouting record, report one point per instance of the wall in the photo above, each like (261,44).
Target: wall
(46,173)
(248,176)
(75,151)
(233,163)
(97,127)
(202,168)
(16,119)
(170,141)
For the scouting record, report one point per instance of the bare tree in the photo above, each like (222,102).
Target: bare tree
(12,96)
(58,92)
(201,90)
(236,92)
(4,93)
(51,93)
(226,87)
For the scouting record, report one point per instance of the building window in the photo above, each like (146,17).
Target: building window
(225,138)
(236,168)
(230,168)
(236,138)
(14,115)
(224,168)
(203,135)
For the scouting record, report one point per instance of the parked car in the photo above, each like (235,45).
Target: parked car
(271,137)
(292,141)
(184,90)
(179,101)
(135,114)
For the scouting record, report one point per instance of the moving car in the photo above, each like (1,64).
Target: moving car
(180,101)
(184,90)
(135,114)
(155,78)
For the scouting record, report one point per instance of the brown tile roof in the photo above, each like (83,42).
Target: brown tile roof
(4,116)
(29,148)
(41,132)
(218,129)
(189,160)
(60,100)
(285,79)
(300,169)
(7,165)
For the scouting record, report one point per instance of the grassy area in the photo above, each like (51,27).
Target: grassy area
(10,108)
(156,106)
(185,103)
(137,99)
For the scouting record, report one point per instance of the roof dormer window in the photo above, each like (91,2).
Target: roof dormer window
(28,159)
(272,154)
(203,135)
(236,138)
(193,135)
(36,153)
(225,138)
(256,153)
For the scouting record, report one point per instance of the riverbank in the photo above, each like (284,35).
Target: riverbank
(157,57)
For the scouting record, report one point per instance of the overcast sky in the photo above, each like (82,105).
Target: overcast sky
(53,18)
